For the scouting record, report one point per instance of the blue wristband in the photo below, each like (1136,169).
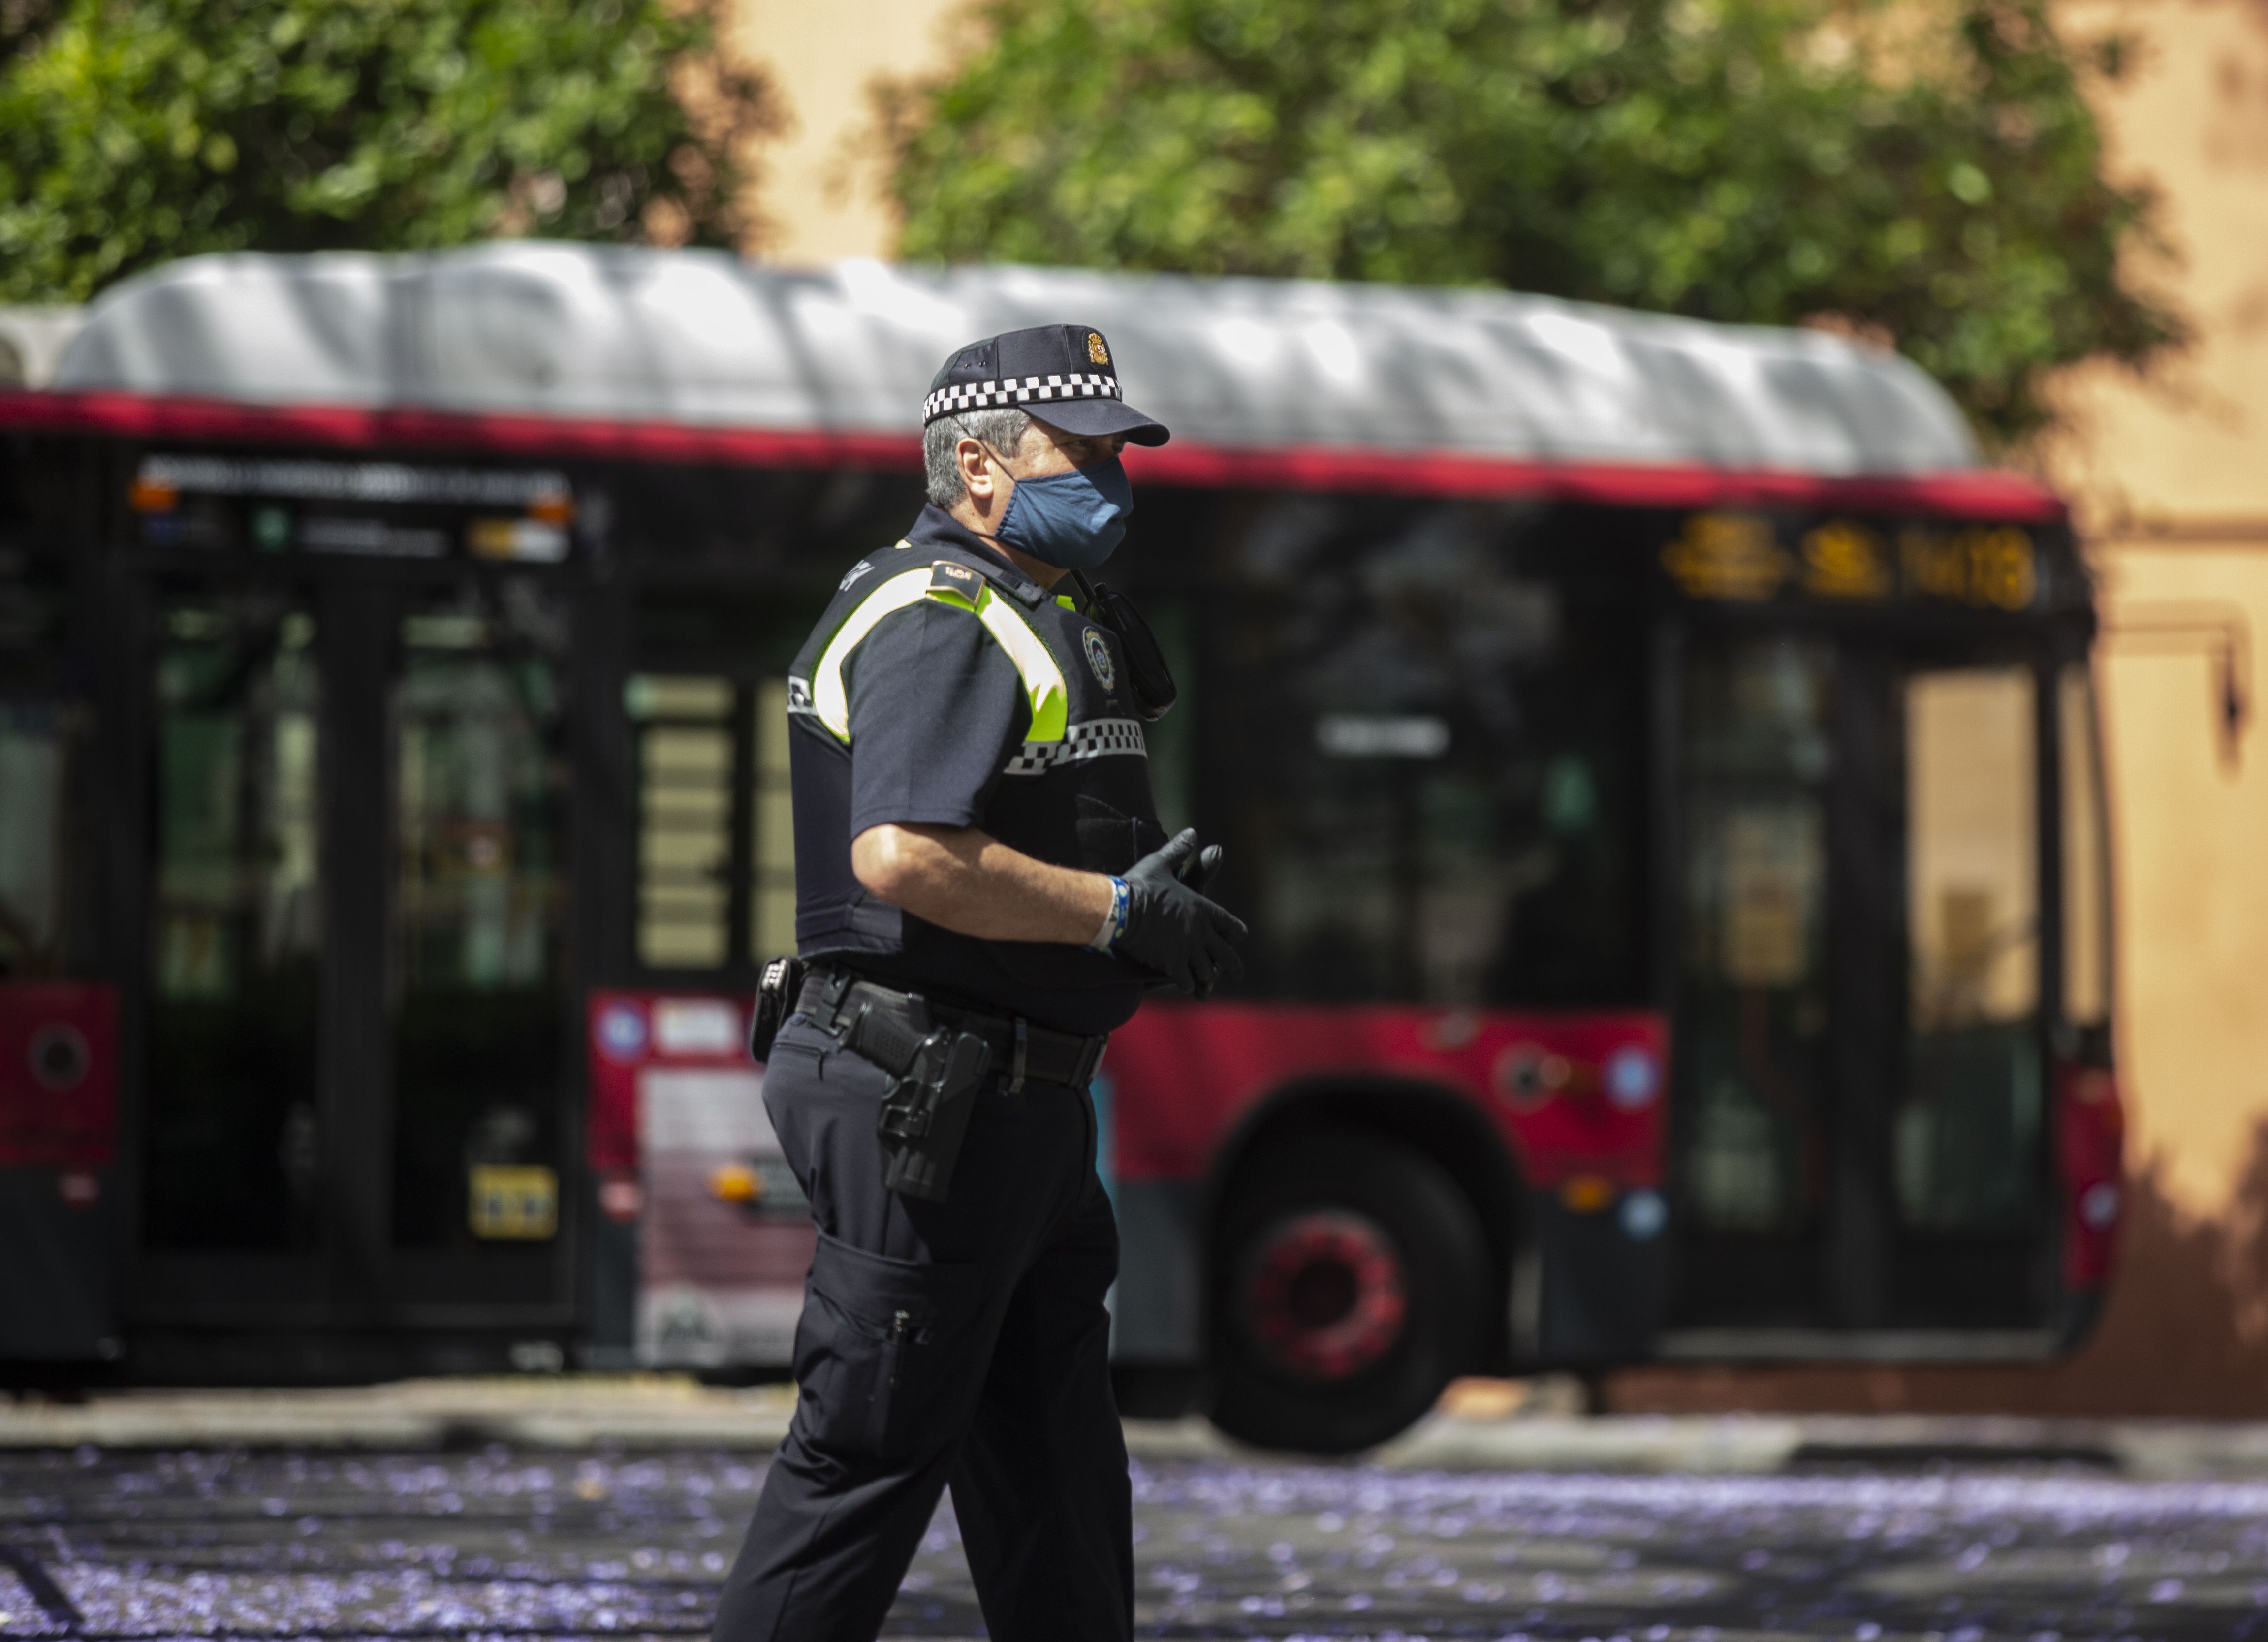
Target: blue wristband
(1115,924)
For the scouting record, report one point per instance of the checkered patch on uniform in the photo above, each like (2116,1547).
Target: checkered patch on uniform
(1020,390)
(1102,739)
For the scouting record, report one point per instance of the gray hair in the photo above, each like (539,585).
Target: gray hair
(1002,429)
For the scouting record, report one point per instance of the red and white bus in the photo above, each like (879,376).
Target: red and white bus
(1656,762)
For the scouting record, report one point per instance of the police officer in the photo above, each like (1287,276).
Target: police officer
(982,893)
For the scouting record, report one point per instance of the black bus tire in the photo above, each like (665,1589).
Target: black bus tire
(1321,1236)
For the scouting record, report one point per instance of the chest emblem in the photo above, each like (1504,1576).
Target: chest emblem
(1098,657)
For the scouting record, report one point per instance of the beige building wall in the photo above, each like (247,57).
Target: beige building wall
(818,187)
(2171,480)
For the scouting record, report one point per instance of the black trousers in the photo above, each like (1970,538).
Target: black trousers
(963,1342)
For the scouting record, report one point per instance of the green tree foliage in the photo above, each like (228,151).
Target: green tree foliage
(1925,173)
(136,131)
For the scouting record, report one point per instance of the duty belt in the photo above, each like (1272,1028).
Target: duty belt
(888,1028)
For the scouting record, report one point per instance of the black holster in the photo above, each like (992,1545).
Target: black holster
(936,1071)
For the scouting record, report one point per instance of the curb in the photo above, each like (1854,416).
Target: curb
(656,1411)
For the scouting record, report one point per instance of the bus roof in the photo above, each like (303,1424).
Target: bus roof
(697,355)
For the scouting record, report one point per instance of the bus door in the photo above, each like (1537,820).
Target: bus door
(223,1040)
(58,1114)
(1968,1149)
(702,1236)
(1860,1121)
(356,1056)
(476,1039)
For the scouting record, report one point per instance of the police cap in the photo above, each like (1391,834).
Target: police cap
(1063,374)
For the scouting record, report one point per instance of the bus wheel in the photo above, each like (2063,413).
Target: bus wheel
(1352,1289)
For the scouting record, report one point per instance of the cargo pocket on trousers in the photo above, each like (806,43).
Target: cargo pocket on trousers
(883,1349)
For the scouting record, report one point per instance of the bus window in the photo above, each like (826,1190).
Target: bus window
(235,939)
(479,765)
(1172,741)
(1753,1017)
(2086,862)
(716,866)
(685,763)
(709,751)
(32,853)
(1428,763)
(772,905)
(1968,1129)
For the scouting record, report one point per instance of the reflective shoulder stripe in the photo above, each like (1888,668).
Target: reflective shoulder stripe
(830,700)
(1043,680)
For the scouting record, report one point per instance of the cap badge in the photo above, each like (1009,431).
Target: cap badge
(1098,657)
(1095,350)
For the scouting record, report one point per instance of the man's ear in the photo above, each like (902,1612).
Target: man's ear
(975,470)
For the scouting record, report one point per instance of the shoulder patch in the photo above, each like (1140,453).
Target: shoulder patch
(1099,658)
(950,576)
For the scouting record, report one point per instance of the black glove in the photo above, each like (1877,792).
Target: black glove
(1197,871)
(1172,928)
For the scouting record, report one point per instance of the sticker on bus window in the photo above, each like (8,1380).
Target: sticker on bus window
(530,538)
(621,1032)
(1381,735)
(326,532)
(696,1026)
(513,1201)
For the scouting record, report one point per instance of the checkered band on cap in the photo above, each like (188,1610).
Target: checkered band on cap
(1019,390)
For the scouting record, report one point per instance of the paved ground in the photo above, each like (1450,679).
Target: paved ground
(1890,1530)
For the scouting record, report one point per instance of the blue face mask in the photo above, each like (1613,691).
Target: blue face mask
(1073,520)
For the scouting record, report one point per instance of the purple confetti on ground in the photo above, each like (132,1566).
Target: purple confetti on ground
(513,1543)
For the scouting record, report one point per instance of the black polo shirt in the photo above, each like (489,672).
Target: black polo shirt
(936,711)
(937,705)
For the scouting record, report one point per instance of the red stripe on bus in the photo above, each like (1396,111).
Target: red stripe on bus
(353,427)
(58,1077)
(1573,1094)
(1966,493)
(1970,494)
